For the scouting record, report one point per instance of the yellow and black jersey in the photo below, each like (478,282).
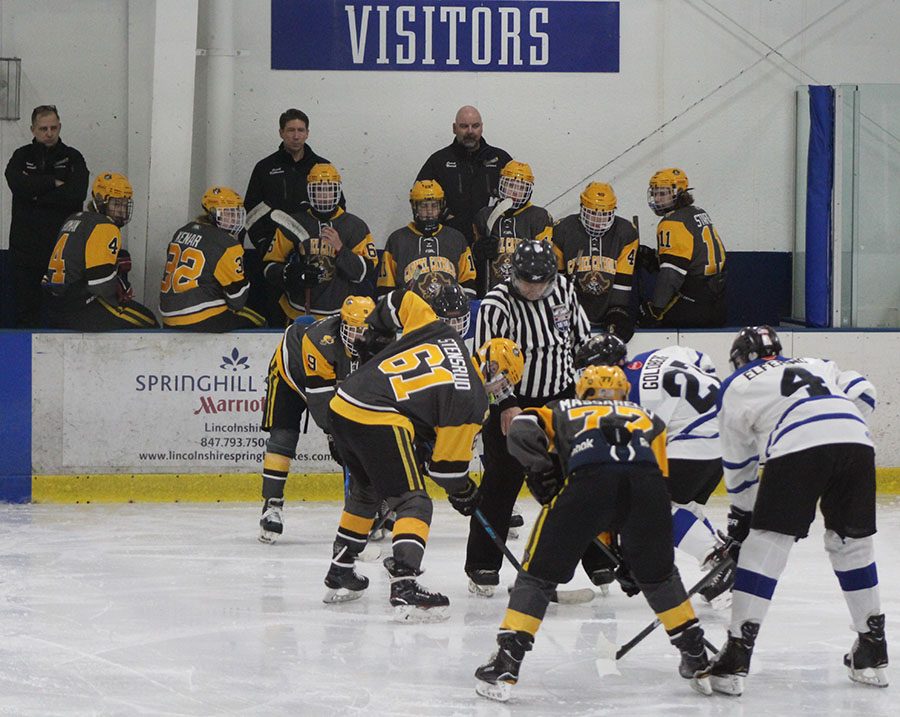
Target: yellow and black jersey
(690,252)
(83,262)
(425,382)
(514,225)
(344,273)
(602,268)
(411,260)
(203,277)
(312,360)
(589,433)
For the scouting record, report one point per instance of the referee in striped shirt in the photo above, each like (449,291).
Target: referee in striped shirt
(539,310)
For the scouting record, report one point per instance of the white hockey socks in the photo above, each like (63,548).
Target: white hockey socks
(763,558)
(853,560)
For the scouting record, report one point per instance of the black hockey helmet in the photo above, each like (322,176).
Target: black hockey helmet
(754,342)
(533,269)
(451,305)
(602,350)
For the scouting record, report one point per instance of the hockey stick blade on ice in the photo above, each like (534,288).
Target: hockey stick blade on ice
(563,597)
(702,583)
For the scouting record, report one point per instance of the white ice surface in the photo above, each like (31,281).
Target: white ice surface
(178,610)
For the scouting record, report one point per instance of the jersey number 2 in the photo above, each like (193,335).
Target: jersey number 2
(701,404)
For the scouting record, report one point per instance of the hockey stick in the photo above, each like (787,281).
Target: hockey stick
(702,583)
(637,269)
(563,597)
(503,206)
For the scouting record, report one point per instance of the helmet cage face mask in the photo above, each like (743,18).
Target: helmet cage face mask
(118,209)
(229,219)
(350,334)
(324,195)
(661,199)
(496,382)
(596,222)
(459,323)
(517,189)
(427,214)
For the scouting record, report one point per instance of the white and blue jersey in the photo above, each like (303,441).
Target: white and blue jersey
(773,408)
(679,385)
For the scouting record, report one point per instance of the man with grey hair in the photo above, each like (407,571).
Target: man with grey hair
(468,170)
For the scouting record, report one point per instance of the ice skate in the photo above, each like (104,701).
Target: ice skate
(270,525)
(866,661)
(344,584)
(694,662)
(729,668)
(411,601)
(496,678)
(483,583)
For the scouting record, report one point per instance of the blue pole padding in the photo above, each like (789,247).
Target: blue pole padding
(15,417)
(819,188)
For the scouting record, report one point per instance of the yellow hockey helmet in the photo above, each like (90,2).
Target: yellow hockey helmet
(112,193)
(665,186)
(354,312)
(603,382)
(324,186)
(225,208)
(516,183)
(427,201)
(598,208)
(501,364)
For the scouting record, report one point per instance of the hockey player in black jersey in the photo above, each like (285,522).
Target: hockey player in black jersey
(612,455)
(421,387)
(310,362)
(84,291)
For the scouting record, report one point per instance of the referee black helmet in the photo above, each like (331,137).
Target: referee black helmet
(533,269)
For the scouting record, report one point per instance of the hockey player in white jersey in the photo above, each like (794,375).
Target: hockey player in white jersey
(680,386)
(804,419)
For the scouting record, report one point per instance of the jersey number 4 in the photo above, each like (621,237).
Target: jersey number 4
(793,379)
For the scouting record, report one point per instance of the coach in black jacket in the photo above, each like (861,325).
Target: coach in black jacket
(49,181)
(468,171)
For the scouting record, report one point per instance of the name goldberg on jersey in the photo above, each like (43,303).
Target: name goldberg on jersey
(417,26)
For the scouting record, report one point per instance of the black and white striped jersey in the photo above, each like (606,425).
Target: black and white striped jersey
(549,331)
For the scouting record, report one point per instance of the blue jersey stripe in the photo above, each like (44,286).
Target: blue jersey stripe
(742,464)
(743,486)
(867,399)
(683,437)
(853,383)
(755,584)
(813,419)
(858,579)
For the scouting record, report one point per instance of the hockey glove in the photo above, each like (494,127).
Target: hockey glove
(423,451)
(123,263)
(299,274)
(335,453)
(626,580)
(650,315)
(467,500)
(371,343)
(739,524)
(618,321)
(544,485)
(647,259)
(487,249)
